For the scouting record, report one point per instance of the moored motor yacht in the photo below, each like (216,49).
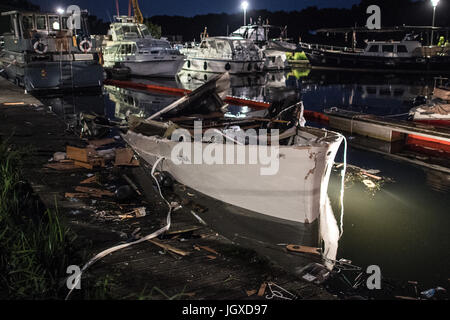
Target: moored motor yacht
(224,54)
(132,46)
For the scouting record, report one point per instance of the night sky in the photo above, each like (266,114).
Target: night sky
(105,8)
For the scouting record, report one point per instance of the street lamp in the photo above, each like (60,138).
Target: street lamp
(60,11)
(244,6)
(434,3)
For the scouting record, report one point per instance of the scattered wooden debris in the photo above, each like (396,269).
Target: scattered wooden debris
(131,183)
(303,249)
(94,191)
(178,232)
(371,175)
(62,166)
(14,103)
(169,248)
(250,292)
(206,249)
(125,157)
(90,180)
(101,142)
(84,157)
(76,195)
(262,289)
(212,257)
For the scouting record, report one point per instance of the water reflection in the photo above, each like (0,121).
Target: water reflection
(370,93)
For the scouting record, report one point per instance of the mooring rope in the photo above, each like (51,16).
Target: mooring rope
(126,245)
(343,172)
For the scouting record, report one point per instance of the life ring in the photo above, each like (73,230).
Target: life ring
(38,47)
(83,47)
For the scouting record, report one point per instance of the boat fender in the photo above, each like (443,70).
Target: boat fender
(189,63)
(40,47)
(228,66)
(249,68)
(205,66)
(85,46)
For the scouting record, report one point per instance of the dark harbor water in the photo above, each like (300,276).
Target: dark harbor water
(402,226)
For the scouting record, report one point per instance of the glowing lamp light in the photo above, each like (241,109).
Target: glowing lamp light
(434,3)
(55,25)
(60,10)
(244,5)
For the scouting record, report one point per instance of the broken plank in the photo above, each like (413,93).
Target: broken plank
(62,166)
(170,248)
(85,165)
(262,289)
(101,142)
(302,249)
(206,249)
(79,154)
(125,157)
(76,195)
(94,191)
(90,180)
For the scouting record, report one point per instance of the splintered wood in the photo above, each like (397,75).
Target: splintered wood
(94,192)
(84,157)
(169,248)
(125,157)
(303,249)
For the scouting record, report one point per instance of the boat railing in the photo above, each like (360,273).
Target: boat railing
(328,47)
(196,53)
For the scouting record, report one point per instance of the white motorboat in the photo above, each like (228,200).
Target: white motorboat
(274,48)
(133,47)
(224,54)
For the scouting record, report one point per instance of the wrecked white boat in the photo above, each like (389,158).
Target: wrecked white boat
(261,179)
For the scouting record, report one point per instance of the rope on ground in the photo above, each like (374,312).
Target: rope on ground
(126,245)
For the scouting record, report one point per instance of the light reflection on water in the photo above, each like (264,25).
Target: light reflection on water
(403,227)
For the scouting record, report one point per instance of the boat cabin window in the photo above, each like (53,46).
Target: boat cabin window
(41,22)
(144,30)
(27,22)
(130,31)
(402,49)
(128,49)
(53,22)
(64,23)
(373,48)
(388,48)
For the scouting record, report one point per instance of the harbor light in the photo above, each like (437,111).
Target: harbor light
(244,6)
(434,3)
(60,10)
